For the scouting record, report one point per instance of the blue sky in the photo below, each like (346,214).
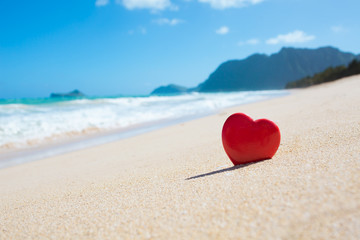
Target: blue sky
(109,47)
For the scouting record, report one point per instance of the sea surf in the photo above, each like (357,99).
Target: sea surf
(29,123)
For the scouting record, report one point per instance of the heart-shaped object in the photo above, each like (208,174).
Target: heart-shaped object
(246,140)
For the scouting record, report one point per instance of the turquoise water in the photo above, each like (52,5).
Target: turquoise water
(29,122)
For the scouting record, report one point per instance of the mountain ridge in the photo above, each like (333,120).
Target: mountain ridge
(265,72)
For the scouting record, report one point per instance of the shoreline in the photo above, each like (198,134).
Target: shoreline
(15,156)
(177,182)
(18,156)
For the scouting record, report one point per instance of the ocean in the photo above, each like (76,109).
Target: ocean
(29,123)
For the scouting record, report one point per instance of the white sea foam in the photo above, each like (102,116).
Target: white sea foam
(22,125)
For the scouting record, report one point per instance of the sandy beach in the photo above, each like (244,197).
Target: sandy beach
(178,183)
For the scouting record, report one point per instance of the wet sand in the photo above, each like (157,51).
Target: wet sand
(177,182)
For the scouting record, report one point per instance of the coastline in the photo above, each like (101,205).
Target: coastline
(75,140)
(177,182)
(18,156)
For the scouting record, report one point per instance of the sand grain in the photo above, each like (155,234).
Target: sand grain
(177,183)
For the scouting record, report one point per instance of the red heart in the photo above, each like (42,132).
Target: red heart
(246,140)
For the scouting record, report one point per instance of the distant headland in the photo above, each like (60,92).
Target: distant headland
(170,89)
(72,94)
(265,72)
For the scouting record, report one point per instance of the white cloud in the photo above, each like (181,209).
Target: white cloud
(166,21)
(338,29)
(154,5)
(252,41)
(222,30)
(292,37)
(174,7)
(139,30)
(222,4)
(100,3)
(142,30)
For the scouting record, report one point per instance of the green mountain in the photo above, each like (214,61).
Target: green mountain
(259,71)
(73,94)
(169,89)
(329,75)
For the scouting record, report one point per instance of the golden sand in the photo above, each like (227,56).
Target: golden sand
(177,182)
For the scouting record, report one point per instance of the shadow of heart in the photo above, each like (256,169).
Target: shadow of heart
(223,170)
